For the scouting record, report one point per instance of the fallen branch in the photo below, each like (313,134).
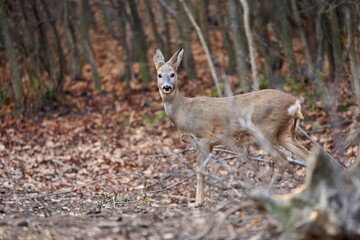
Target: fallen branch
(67,191)
(63,191)
(318,145)
(173,154)
(236,155)
(326,207)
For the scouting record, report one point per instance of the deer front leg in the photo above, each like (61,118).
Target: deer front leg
(203,150)
(280,165)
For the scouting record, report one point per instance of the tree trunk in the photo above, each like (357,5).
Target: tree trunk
(326,29)
(226,38)
(140,42)
(286,38)
(165,31)
(263,42)
(184,28)
(157,41)
(336,42)
(318,80)
(303,38)
(46,56)
(332,83)
(250,44)
(84,36)
(75,58)
(16,82)
(58,48)
(107,17)
(128,75)
(29,49)
(89,16)
(241,65)
(32,48)
(352,54)
(207,52)
(203,21)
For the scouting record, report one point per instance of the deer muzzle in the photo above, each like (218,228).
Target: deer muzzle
(167,88)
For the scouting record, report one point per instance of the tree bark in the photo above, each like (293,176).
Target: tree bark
(250,44)
(226,38)
(207,52)
(286,38)
(107,17)
(89,16)
(336,42)
(140,42)
(318,80)
(75,58)
(16,82)
(45,53)
(184,29)
(59,49)
(241,65)
(352,54)
(129,74)
(157,41)
(165,31)
(85,38)
(303,38)
(203,21)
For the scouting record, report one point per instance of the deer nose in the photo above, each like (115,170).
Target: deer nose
(167,88)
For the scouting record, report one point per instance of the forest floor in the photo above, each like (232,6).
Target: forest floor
(88,169)
(95,164)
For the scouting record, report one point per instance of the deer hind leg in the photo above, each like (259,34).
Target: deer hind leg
(286,138)
(280,165)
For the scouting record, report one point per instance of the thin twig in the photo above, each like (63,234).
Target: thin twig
(173,154)
(169,9)
(185,179)
(63,191)
(75,188)
(318,145)
(236,155)
(296,162)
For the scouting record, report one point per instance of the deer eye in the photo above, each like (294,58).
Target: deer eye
(172,75)
(159,76)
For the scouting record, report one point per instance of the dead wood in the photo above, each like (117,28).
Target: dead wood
(326,207)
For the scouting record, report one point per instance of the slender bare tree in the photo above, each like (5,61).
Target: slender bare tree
(203,42)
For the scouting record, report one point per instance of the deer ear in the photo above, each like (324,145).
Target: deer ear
(158,58)
(176,58)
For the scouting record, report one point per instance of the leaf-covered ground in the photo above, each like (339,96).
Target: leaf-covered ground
(89,166)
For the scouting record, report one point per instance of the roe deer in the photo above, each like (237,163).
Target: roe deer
(208,122)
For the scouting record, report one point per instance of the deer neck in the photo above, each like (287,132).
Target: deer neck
(172,103)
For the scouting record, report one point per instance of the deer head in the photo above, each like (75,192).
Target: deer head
(167,72)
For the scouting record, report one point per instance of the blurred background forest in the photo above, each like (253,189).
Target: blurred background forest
(86,148)
(46,46)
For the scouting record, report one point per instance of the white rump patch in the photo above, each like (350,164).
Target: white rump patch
(293,108)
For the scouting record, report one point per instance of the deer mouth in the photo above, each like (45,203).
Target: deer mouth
(167,89)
